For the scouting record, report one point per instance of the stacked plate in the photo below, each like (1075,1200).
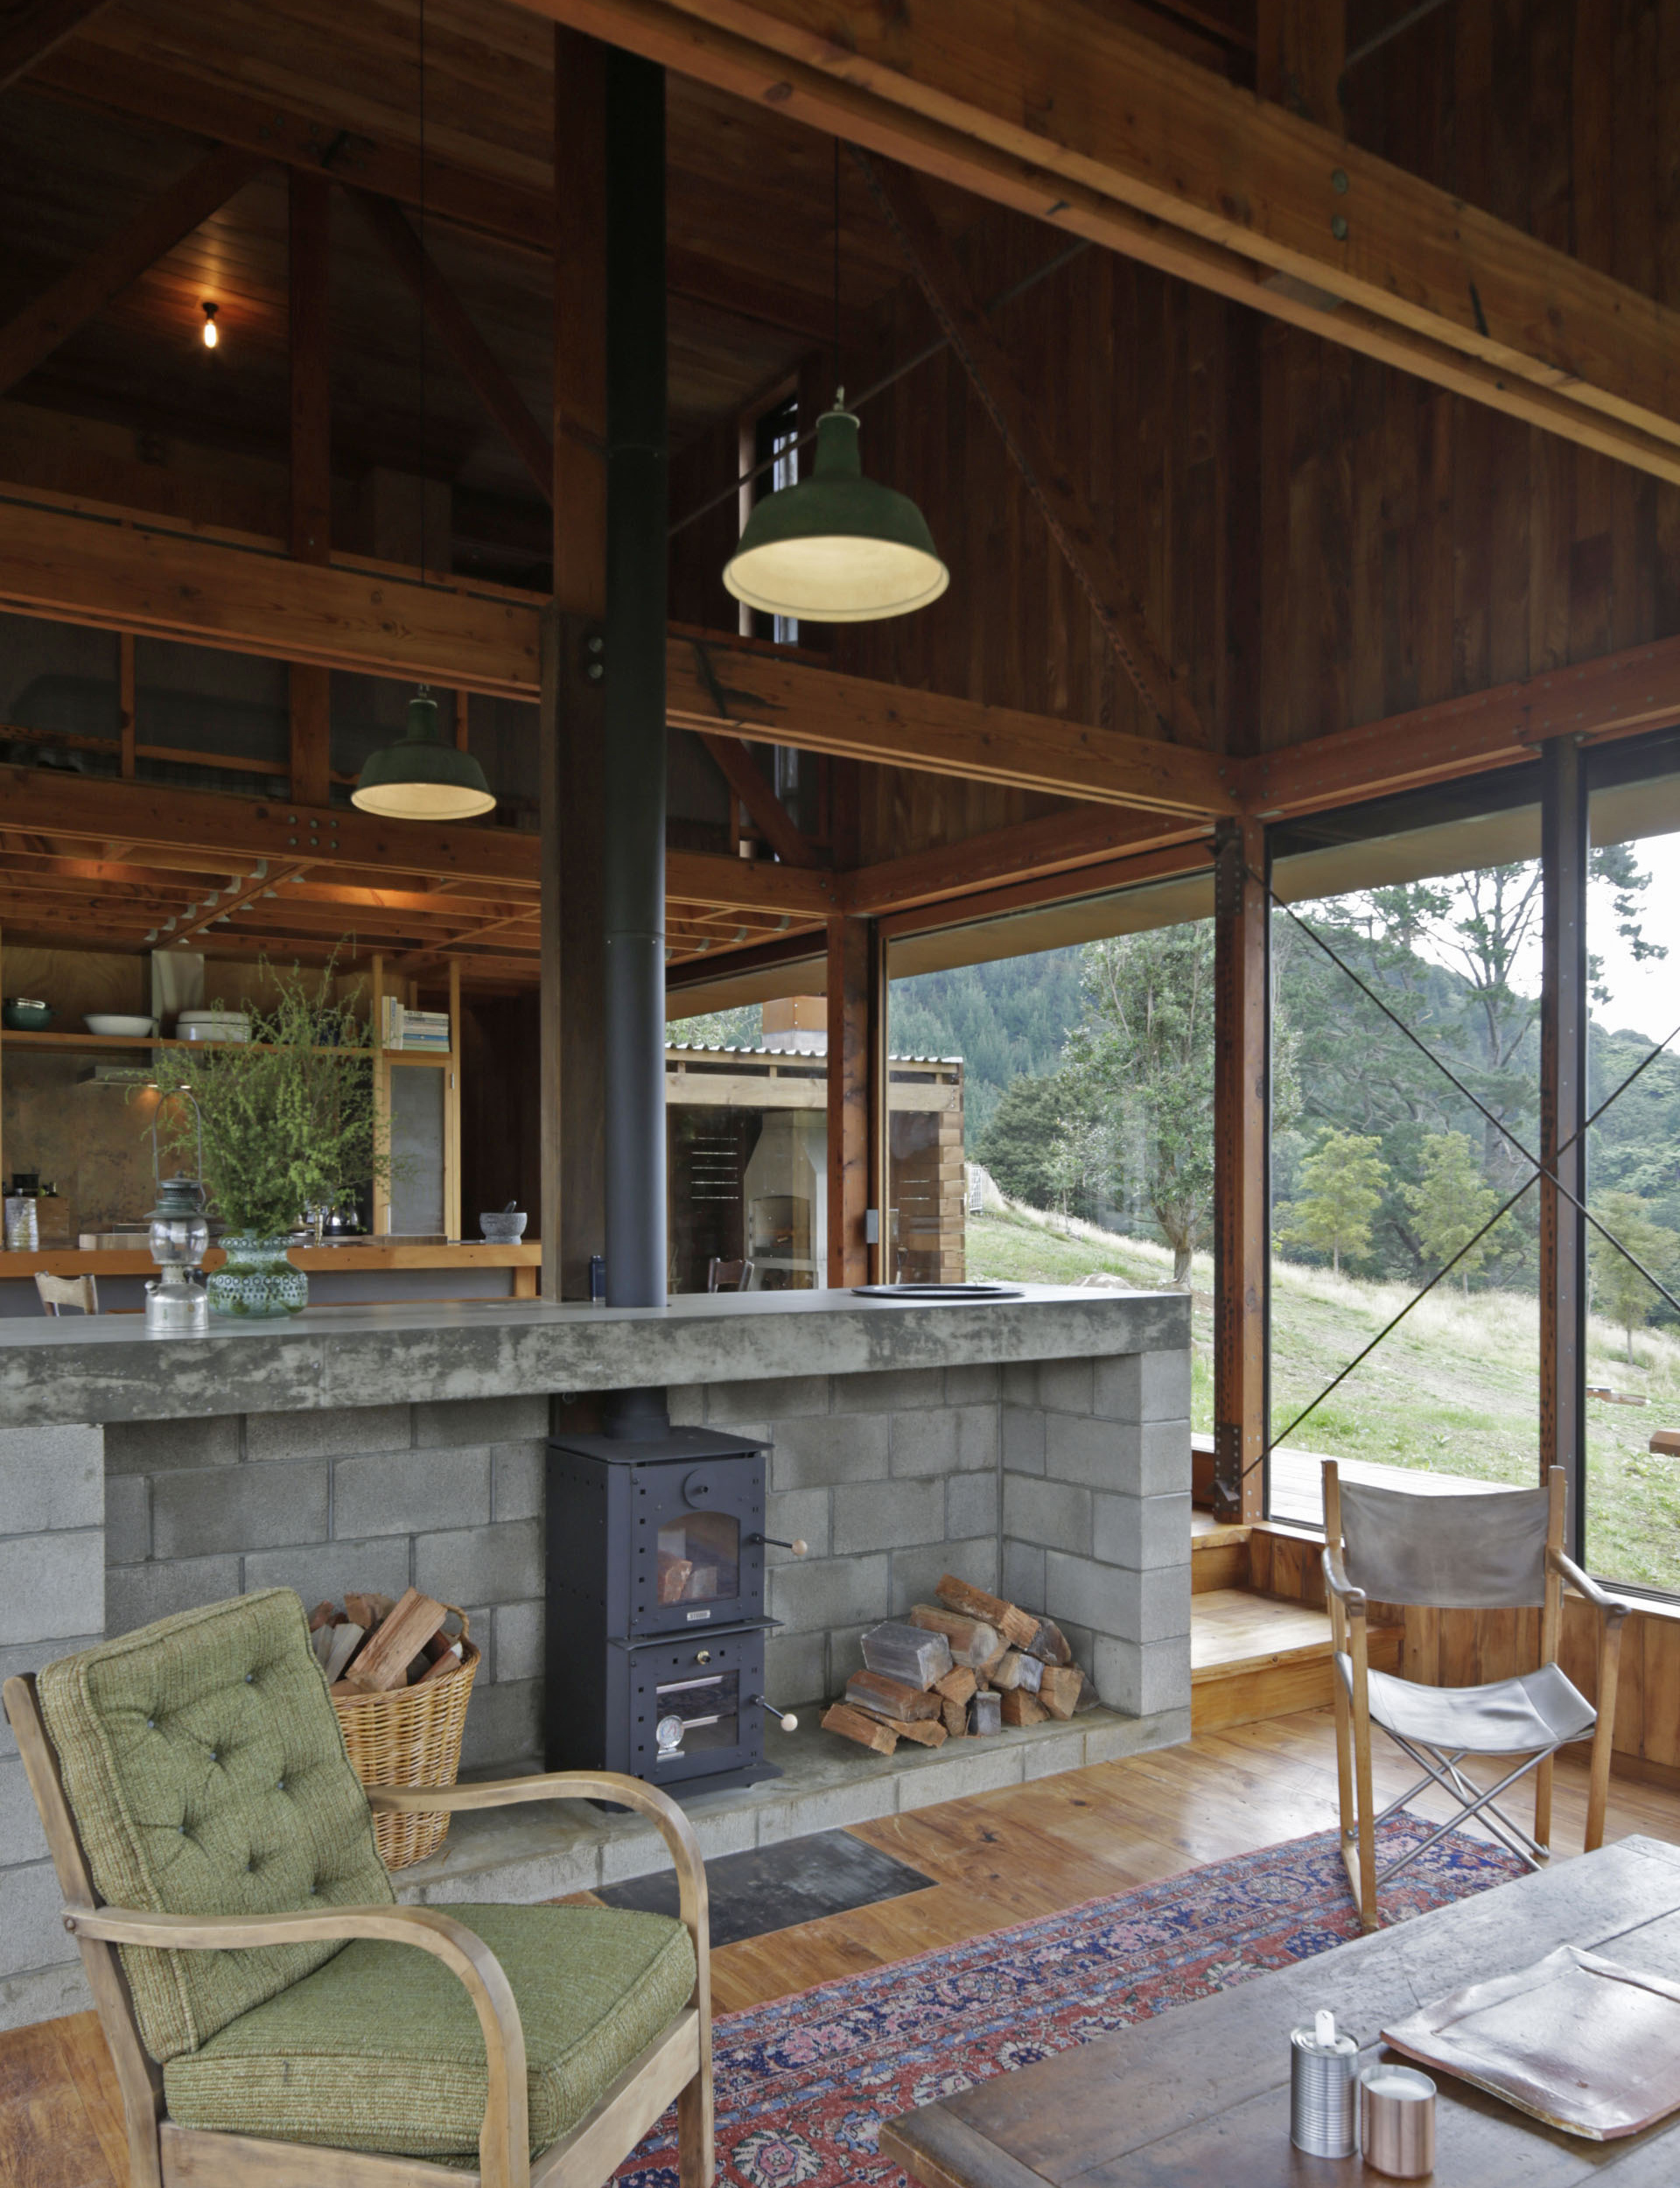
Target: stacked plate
(213,1026)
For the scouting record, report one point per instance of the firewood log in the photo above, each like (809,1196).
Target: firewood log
(1018,1707)
(347,1639)
(891,1697)
(1017,1669)
(905,1653)
(971,1640)
(924,1735)
(985,1714)
(986,1673)
(1049,1643)
(1058,1686)
(954,1717)
(957,1685)
(1017,1626)
(449,1661)
(361,1611)
(322,1615)
(397,1641)
(852,1724)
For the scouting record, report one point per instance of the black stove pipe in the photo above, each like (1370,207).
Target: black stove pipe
(634,731)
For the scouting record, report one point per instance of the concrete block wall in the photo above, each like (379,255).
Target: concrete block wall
(445,1497)
(52,1602)
(1063,1484)
(1096,1516)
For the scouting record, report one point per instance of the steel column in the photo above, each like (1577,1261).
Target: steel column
(1563,1107)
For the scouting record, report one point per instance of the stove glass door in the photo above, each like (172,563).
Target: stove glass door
(697,1716)
(699,1560)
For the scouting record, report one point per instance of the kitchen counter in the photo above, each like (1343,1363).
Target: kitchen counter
(107,1369)
(341,1273)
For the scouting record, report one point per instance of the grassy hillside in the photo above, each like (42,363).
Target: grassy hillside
(1454,1388)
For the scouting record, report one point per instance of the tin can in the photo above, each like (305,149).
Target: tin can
(1323,2089)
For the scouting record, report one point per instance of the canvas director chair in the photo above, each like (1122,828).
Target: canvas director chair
(1477,1550)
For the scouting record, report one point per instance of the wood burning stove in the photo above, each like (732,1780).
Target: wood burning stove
(656,1607)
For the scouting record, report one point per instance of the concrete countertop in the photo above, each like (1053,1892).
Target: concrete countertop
(108,1368)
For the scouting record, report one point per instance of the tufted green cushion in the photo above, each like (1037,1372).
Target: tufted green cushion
(208,1774)
(380,2050)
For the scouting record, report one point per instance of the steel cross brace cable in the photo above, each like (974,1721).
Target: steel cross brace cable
(1539,1171)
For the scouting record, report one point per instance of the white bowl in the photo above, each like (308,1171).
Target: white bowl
(128,1029)
(213,1026)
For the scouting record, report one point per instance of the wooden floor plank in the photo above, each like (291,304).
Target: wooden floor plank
(992,1861)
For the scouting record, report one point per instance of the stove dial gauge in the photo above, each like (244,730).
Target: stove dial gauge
(668,1733)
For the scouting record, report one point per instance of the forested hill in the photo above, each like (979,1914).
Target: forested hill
(1003,1019)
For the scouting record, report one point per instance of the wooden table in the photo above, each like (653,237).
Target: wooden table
(1199,2096)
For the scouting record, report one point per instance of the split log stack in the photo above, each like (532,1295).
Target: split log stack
(958,1669)
(371,1644)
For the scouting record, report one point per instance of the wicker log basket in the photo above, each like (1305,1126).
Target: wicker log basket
(411,1736)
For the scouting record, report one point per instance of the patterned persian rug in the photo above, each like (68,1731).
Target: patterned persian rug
(803,2083)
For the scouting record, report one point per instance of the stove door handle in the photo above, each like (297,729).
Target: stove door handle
(798,1545)
(785,1717)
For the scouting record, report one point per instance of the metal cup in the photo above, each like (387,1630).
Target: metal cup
(1397,2122)
(1322,2068)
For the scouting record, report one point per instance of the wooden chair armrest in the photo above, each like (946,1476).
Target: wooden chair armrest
(1335,1578)
(505,2141)
(1610,1607)
(630,1792)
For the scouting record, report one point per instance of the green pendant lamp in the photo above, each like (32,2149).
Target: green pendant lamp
(836,548)
(421,777)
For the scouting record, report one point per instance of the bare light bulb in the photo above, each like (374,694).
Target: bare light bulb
(210,327)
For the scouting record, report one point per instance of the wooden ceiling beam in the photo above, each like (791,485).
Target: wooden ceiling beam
(711,684)
(84,291)
(96,807)
(1084,545)
(29,31)
(165,584)
(764,809)
(383,621)
(1060,844)
(492,386)
(1617,695)
(1073,118)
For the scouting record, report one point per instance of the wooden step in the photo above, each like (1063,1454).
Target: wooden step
(1219,1554)
(1252,1658)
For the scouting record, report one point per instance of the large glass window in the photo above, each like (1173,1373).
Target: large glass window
(1083,1150)
(1406,965)
(1632,1491)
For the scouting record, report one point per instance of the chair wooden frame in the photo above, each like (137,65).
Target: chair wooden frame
(676,2066)
(1347,1627)
(56,1292)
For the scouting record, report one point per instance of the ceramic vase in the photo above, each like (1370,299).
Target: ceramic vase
(256,1279)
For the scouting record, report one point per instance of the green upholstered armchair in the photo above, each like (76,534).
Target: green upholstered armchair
(274,2016)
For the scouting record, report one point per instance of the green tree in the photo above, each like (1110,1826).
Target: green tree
(1619,1292)
(1450,1203)
(1144,1063)
(1018,1146)
(741,1027)
(1342,1182)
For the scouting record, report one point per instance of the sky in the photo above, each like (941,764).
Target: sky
(1643,997)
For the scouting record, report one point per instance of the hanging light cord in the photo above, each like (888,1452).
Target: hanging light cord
(423,435)
(879,387)
(839,390)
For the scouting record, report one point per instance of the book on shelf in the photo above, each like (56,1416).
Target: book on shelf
(401,1027)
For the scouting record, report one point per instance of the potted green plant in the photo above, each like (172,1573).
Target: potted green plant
(290,1124)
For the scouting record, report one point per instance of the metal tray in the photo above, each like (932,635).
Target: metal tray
(1583,2044)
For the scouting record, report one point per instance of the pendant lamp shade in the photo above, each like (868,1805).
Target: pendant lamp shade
(420,777)
(836,548)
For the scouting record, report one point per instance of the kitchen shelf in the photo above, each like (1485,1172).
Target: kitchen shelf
(48,1039)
